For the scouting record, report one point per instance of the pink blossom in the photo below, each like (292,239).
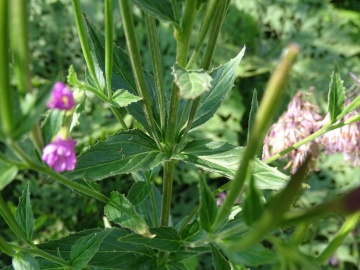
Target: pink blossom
(60,154)
(61,97)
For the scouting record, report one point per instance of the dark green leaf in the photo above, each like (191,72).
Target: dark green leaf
(253,204)
(122,98)
(166,239)
(160,9)
(24,215)
(208,208)
(150,208)
(85,248)
(125,152)
(191,83)
(253,256)
(336,98)
(122,212)
(222,81)
(219,261)
(8,173)
(253,111)
(192,232)
(24,261)
(224,158)
(139,192)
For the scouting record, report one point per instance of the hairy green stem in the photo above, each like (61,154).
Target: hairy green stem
(157,66)
(108,45)
(345,229)
(83,41)
(167,192)
(263,120)
(128,24)
(6,102)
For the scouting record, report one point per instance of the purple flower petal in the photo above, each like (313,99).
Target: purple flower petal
(61,97)
(60,155)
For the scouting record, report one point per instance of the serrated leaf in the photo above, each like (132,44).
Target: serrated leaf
(125,152)
(139,192)
(122,98)
(122,212)
(253,205)
(24,261)
(208,208)
(222,81)
(219,261)
(85,248)
(8,173)
(191,83)
(252,115)
(24,215)
(336,96)
(72,78)
(166,239)
(225,158)
(160,9)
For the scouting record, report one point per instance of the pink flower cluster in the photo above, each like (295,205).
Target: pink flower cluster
(60,153)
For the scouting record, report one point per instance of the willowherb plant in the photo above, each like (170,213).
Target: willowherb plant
(142,234)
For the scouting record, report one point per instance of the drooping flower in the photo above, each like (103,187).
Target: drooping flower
(60,154)
(61,97)
(298,122)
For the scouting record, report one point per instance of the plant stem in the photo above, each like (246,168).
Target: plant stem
(5,248)
(346,228)
(6,102)
(128,24)
(83,41)
(108,45)
(167,192)
(263,120)
(157,67)
(38,252)
(183,41)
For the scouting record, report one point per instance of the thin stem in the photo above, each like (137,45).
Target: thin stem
(175,9)
(38,252)
(167,191)
(108,45)
(263,120)
(157,67)
(128,24)
(83,41)
(5,248)
(345,229)
(155,212)
(6,102)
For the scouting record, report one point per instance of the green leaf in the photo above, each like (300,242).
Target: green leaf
(336,96)
(253,205)
(85,248)
(51,125)
(160,9)
(72,78)
(192,232)
(24,215)
(208,208)
(111,254)
(125,152)
(24,261)
(222,81)
(224,158)
(253,111)
(191,83)
(122,98)
(122,212)
(139,192)
(253,256)
(219,261)
(8,173)
(166,239)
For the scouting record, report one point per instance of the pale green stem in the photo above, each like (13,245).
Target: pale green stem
(108,45)
(167,192)
(128,24)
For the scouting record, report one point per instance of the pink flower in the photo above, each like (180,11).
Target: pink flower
(61,97)
(60,155)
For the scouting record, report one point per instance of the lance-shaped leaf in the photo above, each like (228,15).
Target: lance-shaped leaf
(125,152)
(219,261)
(336,97)
(252,115)
(139,192)
(224,158)
(85,248)
(191,83)
(208,208)
(8,173)
(222,81)
(24,215)
(166,239)
(122,98)
(122,212)
(161,9)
